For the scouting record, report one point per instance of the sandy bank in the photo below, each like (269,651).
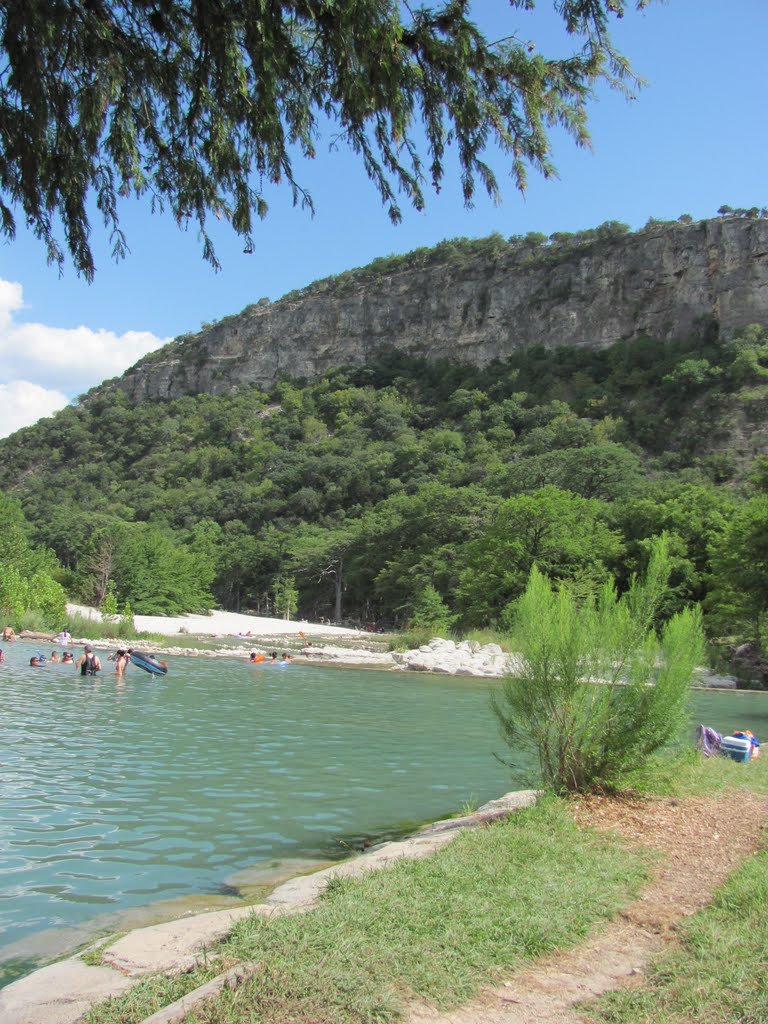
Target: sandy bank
(218,623)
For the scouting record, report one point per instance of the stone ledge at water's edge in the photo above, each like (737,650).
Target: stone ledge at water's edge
(63,992)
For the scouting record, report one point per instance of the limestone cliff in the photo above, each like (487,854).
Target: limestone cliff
(665,281)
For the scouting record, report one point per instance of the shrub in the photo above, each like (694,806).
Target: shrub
(430,613)
(598,692)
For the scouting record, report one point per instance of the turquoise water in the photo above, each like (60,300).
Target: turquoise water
(121,794)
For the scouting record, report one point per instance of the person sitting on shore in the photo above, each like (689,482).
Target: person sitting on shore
(8,634)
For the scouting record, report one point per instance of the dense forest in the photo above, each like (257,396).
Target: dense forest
(357,496)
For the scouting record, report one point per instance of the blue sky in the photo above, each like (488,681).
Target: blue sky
(692,140)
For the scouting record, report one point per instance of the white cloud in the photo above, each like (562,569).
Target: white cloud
(22,404)
(42,367)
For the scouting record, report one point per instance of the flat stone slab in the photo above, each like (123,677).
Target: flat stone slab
(59,994)
(174,946)
(65,991)
(305,890)
(494,810)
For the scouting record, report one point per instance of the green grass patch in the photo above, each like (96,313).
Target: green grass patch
(717,973)
(690,774)
(438,928)
(489,636)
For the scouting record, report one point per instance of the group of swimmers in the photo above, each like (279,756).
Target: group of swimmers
(88,662)
(39,660)
(259,658)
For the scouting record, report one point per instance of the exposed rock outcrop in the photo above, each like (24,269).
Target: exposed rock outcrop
(665,281)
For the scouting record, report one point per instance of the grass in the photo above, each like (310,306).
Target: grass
(690,774)
(717,972)
(438,928)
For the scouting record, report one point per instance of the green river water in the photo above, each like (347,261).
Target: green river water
(128,801)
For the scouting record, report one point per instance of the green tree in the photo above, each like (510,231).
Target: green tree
(606,470)
(739,598)
(14,592)
(126,624)
(692,514)
(109,606)
(194,103)
(431,613)
(47,595)
(285,595)
(322,552)
(597,692)
(411,541)
(564,535)
(154,572)
(27,574)
(15,548)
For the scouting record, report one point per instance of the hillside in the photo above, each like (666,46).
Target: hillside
(415,489)
(376,492)
(479,300)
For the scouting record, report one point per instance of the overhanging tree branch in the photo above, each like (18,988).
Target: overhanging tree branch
(197,102)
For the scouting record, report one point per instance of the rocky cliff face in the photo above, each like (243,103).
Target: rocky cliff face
(665,282)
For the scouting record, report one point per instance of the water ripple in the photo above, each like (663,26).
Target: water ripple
(120,795)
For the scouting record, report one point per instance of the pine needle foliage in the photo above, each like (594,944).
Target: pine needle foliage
(598,691)
(204,106)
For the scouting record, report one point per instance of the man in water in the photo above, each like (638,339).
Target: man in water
(88,662)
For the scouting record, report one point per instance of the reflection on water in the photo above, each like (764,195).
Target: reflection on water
(150,793)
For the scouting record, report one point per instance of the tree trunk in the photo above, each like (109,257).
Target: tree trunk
(339,583)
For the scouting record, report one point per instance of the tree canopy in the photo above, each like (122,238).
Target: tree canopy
(202,105)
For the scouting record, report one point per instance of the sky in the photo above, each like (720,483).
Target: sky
(692,140)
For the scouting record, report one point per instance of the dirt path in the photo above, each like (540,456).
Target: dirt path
(699,847)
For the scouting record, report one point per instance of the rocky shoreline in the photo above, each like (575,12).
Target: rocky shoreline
(439,656)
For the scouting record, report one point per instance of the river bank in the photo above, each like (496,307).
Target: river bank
(360,649)
(620,875)
(63,992)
